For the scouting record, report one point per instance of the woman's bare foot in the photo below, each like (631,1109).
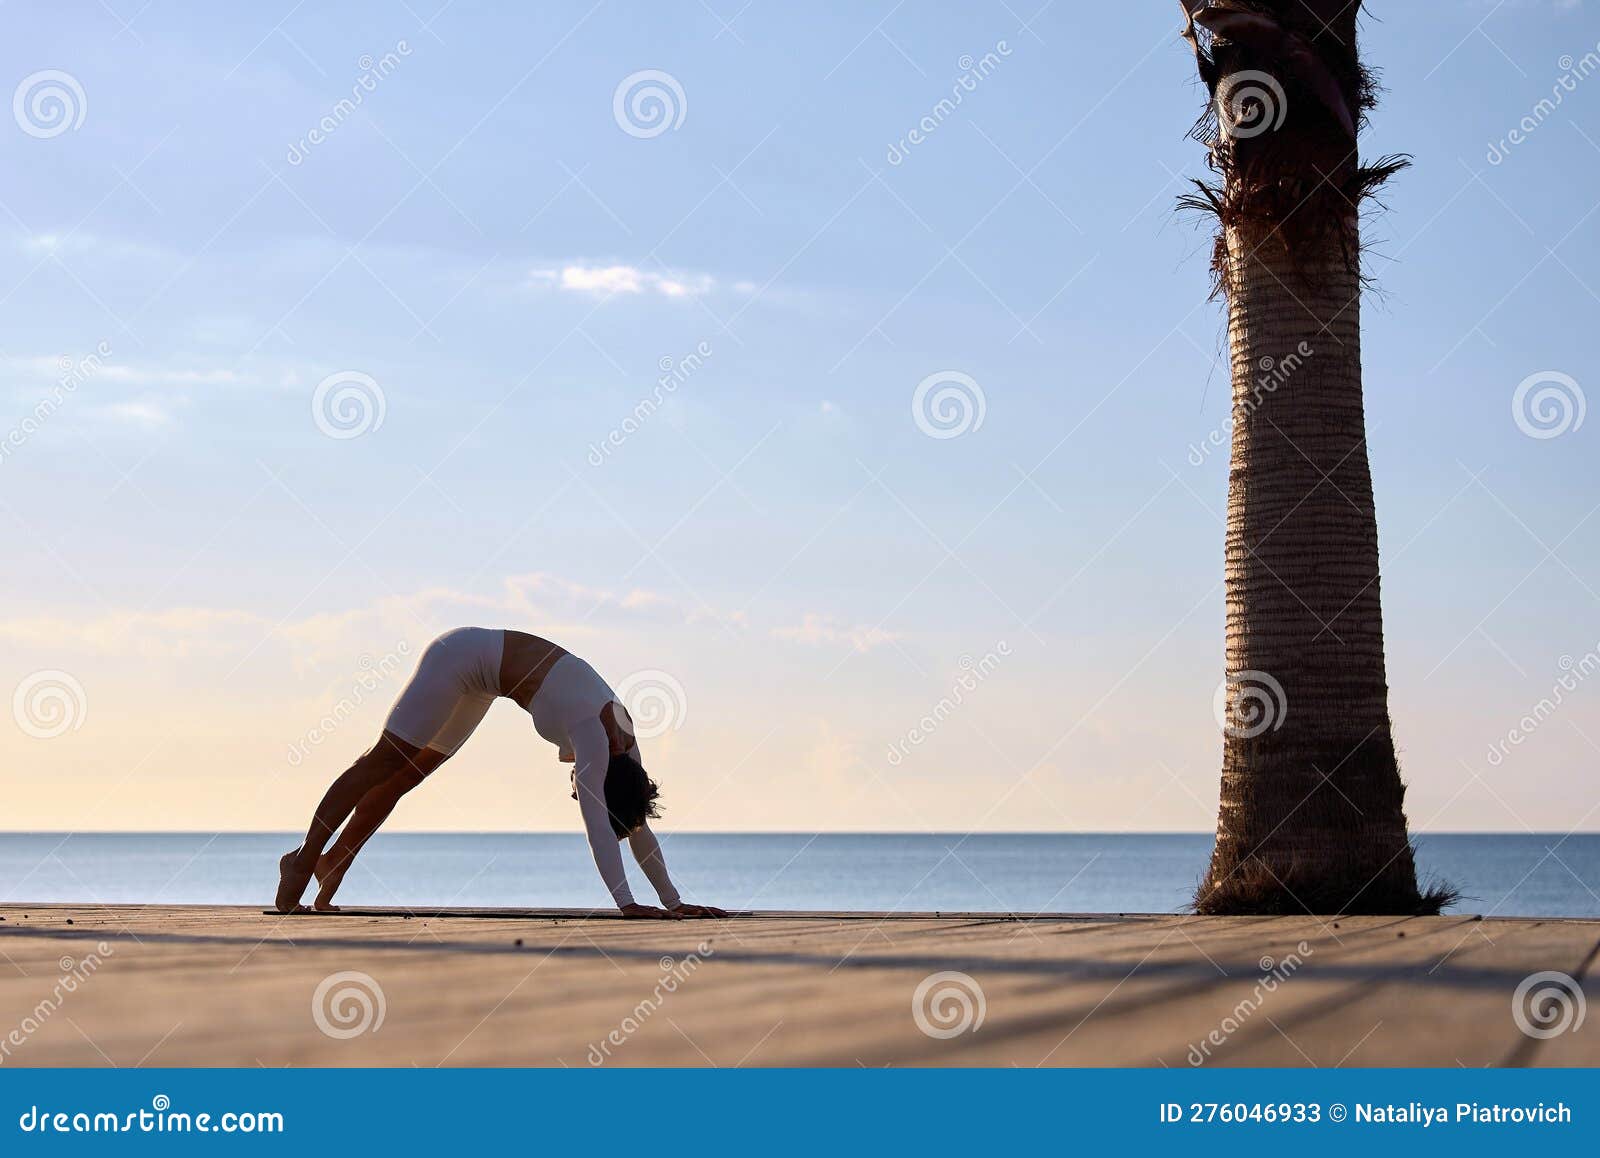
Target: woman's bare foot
(292,883)
(331,867)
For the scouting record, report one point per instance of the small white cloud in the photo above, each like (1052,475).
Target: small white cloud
(540,597)
(639,598)
(817,630)
(53,367)
(573,610)
(608,280)
(178,632)
(145,414)
(146,376)
(78,242)
(611,279)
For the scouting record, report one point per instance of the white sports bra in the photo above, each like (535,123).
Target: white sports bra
(572,692)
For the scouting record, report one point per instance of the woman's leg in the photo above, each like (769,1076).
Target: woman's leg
(372,810)
(438,710)
(390,756)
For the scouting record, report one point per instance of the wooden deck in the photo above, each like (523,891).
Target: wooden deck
(200,985)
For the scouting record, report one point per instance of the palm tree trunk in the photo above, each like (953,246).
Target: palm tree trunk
(1312,811)
(1311,814)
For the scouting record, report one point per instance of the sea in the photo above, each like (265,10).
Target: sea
(1496,874)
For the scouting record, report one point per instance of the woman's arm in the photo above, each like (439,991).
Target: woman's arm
(591,754)
(647,851)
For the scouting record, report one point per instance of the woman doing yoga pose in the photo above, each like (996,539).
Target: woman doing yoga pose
(460,674)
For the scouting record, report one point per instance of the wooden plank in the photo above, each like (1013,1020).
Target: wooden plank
(184,985)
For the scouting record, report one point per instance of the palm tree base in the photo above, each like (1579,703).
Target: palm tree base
(1254,888)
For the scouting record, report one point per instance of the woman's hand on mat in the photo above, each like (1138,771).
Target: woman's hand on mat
(688,910)
(649,913)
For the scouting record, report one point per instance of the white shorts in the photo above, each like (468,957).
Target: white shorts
(456,680)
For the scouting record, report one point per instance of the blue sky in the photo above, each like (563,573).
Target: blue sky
(486,243)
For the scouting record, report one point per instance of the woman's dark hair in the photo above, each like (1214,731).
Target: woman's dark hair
(630,794)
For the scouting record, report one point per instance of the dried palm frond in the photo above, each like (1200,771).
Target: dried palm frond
(1287,98)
